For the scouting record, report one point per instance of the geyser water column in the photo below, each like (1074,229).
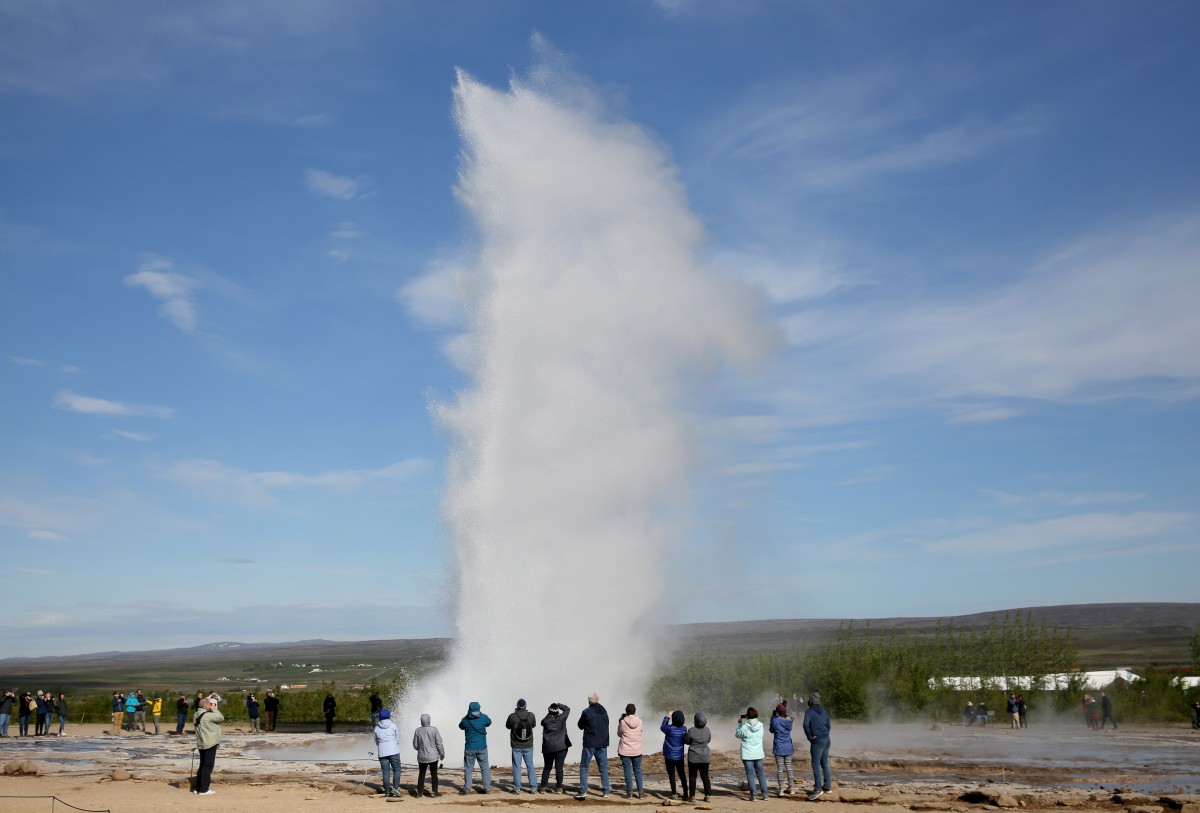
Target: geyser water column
(592,325)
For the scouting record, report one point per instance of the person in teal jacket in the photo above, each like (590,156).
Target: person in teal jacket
(475,725)
(750,732)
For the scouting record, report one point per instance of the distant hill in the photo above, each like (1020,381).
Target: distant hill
(1107,635)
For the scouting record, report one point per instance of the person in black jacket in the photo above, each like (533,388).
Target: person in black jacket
(376,707)
(7,702)
(330,712)
(270,710)
(181,713)
(555,742)
(1106,710)
(594,723)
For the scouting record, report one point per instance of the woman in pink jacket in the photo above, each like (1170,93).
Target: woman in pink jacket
(629,748)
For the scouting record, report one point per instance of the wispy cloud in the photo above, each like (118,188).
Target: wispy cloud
(329,185)
(1080,529)
(73,402)
(172,289)
(436,297)
(256,488)
(837,134)
(140,437)
(347,231)
(24,361)
(46,536)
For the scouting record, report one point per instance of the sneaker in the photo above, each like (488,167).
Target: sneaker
(209,792)
(580,796)
(816,794)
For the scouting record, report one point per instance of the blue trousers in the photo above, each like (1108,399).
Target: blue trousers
(820,763)
(391,773)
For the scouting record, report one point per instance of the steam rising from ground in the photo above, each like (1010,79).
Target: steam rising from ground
(592,326)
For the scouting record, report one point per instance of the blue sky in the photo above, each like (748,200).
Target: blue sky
(228,233)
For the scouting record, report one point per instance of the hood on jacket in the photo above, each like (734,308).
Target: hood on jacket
(701,719)
(753,723)
(424,719)
(473,709)
(385,723)
(677,718)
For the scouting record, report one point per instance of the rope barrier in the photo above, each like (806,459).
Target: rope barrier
(54,799)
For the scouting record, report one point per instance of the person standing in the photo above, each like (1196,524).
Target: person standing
(750,732)
(139,717)
(1014,716)
(41,726)
(1022,711)
(6,706)
(330,707)
(181,708)
(156,713)
(816,727)
(252,710)
(555,742)
(629,749)
(131,707)
(782,748)
(969,714)
(1106,708)
(475,725)
(673,728)
(207,723)
(376,707)
(521,724)
(594,724)
(60,708)
(271,709)
(118,712)
(427,741)
(387,748)
(981,713)
(1196,714)
(697,740)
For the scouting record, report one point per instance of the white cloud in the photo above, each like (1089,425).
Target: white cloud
(140,437)
(329,185)
(255,488)
(347,231)
(46,536)
(23,361)
(982,414)
(88,405)
(1081,529)
(172,289)
(436,298)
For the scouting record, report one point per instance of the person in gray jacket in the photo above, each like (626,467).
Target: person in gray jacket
(427,741)
(697,740)
(208,736)
(555,742)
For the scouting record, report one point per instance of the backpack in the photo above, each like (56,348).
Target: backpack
(523,732)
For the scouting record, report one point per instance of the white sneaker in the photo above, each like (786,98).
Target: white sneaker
(209,792)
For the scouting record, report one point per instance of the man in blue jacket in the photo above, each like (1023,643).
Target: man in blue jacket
(594,723)
(475,725)
(816,729)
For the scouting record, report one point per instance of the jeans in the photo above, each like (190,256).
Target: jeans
(157,720)
(4,718)
(754,768)
(556,759)
(634,764)
(702,769)
(181,718)
(62,724)
(391,773)
(819,753)
(485,770)
(601,755)
(208,758)
(783,766)
(23,725)
(525,755)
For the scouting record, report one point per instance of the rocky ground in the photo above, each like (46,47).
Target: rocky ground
(1139,770)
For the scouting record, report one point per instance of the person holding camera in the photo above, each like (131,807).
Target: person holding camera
(208,736)
(750,732)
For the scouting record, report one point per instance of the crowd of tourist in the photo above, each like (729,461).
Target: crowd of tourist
(42,708)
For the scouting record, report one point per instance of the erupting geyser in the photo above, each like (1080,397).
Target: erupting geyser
(592,321)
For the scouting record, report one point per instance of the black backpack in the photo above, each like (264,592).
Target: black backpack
(523,731)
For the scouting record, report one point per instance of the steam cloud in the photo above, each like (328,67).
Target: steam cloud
(592,326)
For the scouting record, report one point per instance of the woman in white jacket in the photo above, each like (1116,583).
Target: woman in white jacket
(387,748)
(750,732)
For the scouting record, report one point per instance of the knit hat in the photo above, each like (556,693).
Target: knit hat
(385,715)
(521,703)
(815,697)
